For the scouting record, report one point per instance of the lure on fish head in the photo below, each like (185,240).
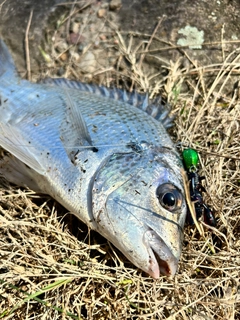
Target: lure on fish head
(138,204)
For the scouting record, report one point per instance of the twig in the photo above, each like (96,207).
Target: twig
(27,47)
(2,5)
(222,42)
(149,42)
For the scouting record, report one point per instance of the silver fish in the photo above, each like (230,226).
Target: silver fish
(102,154)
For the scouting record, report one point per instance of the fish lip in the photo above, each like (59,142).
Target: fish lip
(161,259)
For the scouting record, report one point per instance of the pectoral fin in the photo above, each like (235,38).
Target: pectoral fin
(13,141)
(76,119)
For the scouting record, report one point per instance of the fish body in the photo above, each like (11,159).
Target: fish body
(105,160)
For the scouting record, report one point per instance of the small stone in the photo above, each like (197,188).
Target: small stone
(96,44)
(75,27)
(115,4)
(75,38)
(87,62)
(102,37)
(74,55)
(61,72)
(62,46)
(64,56)
(81,47)
(101,13)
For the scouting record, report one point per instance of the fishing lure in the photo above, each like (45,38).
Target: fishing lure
(190,161)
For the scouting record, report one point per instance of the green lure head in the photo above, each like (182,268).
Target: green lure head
(190,158)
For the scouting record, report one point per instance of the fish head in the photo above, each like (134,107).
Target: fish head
(139,205)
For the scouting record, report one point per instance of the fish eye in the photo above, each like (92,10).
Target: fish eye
(169,197)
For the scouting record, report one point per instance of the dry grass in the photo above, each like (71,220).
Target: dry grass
(49,272)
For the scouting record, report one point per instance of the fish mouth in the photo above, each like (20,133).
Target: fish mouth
(161,259)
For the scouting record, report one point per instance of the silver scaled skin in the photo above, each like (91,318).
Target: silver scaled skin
(103,155)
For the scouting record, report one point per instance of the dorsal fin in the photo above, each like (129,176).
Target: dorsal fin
(154,108)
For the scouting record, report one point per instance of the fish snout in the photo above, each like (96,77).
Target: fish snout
(162,259)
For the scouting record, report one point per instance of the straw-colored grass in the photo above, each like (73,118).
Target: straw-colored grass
(51,269)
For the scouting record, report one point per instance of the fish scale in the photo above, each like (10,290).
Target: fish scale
(104,154)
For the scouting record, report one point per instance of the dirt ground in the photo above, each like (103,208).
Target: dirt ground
(52,266)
